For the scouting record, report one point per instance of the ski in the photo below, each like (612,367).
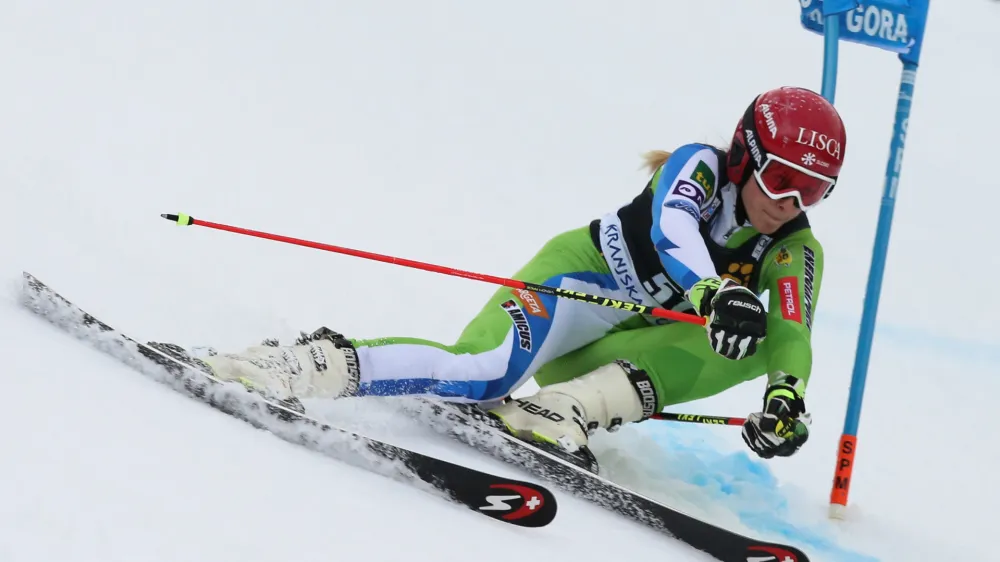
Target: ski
(507,500)
(470,425)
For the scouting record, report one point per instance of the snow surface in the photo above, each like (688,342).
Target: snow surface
(465,135)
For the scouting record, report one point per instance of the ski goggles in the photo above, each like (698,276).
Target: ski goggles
(779,178)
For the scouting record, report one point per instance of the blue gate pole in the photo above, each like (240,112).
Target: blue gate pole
(848,440)
(831,42)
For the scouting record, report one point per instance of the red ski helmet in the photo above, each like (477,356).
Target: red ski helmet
(793,141)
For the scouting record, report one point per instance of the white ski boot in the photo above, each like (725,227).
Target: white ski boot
(323,364)
(567,413)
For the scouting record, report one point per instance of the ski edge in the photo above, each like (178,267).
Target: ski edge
(40,299)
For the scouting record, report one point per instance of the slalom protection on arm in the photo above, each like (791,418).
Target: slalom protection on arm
(682,189)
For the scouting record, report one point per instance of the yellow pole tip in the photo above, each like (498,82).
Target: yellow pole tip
(180,218)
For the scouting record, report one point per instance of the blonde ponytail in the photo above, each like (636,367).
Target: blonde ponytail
(653,159)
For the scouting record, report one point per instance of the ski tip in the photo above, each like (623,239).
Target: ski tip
(180,218)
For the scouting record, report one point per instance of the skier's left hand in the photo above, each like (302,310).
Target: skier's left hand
(783,427)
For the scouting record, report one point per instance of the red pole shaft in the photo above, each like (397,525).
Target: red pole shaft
(362,254)
(185,220)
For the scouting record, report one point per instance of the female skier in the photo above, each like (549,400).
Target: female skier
(711,230)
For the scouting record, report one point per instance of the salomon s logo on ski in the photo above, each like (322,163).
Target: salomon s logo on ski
(517,502)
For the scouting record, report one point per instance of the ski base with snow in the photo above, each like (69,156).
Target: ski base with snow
(507,500)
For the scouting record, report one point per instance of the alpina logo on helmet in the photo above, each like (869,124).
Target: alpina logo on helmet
(769,117)
(819,141)
(754,149)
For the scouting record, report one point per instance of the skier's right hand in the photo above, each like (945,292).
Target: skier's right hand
(735,318)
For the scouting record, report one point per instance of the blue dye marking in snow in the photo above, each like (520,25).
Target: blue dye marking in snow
(745,486)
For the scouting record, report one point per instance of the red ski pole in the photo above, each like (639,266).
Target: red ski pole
(186,220)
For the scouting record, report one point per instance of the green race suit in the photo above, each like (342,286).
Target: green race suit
(682,227)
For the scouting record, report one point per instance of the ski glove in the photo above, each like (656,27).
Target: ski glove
(736,319)
(783,427)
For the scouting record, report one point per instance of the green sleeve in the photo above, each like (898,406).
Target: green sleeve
(792,273)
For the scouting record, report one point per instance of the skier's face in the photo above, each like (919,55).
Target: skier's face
(767,215)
